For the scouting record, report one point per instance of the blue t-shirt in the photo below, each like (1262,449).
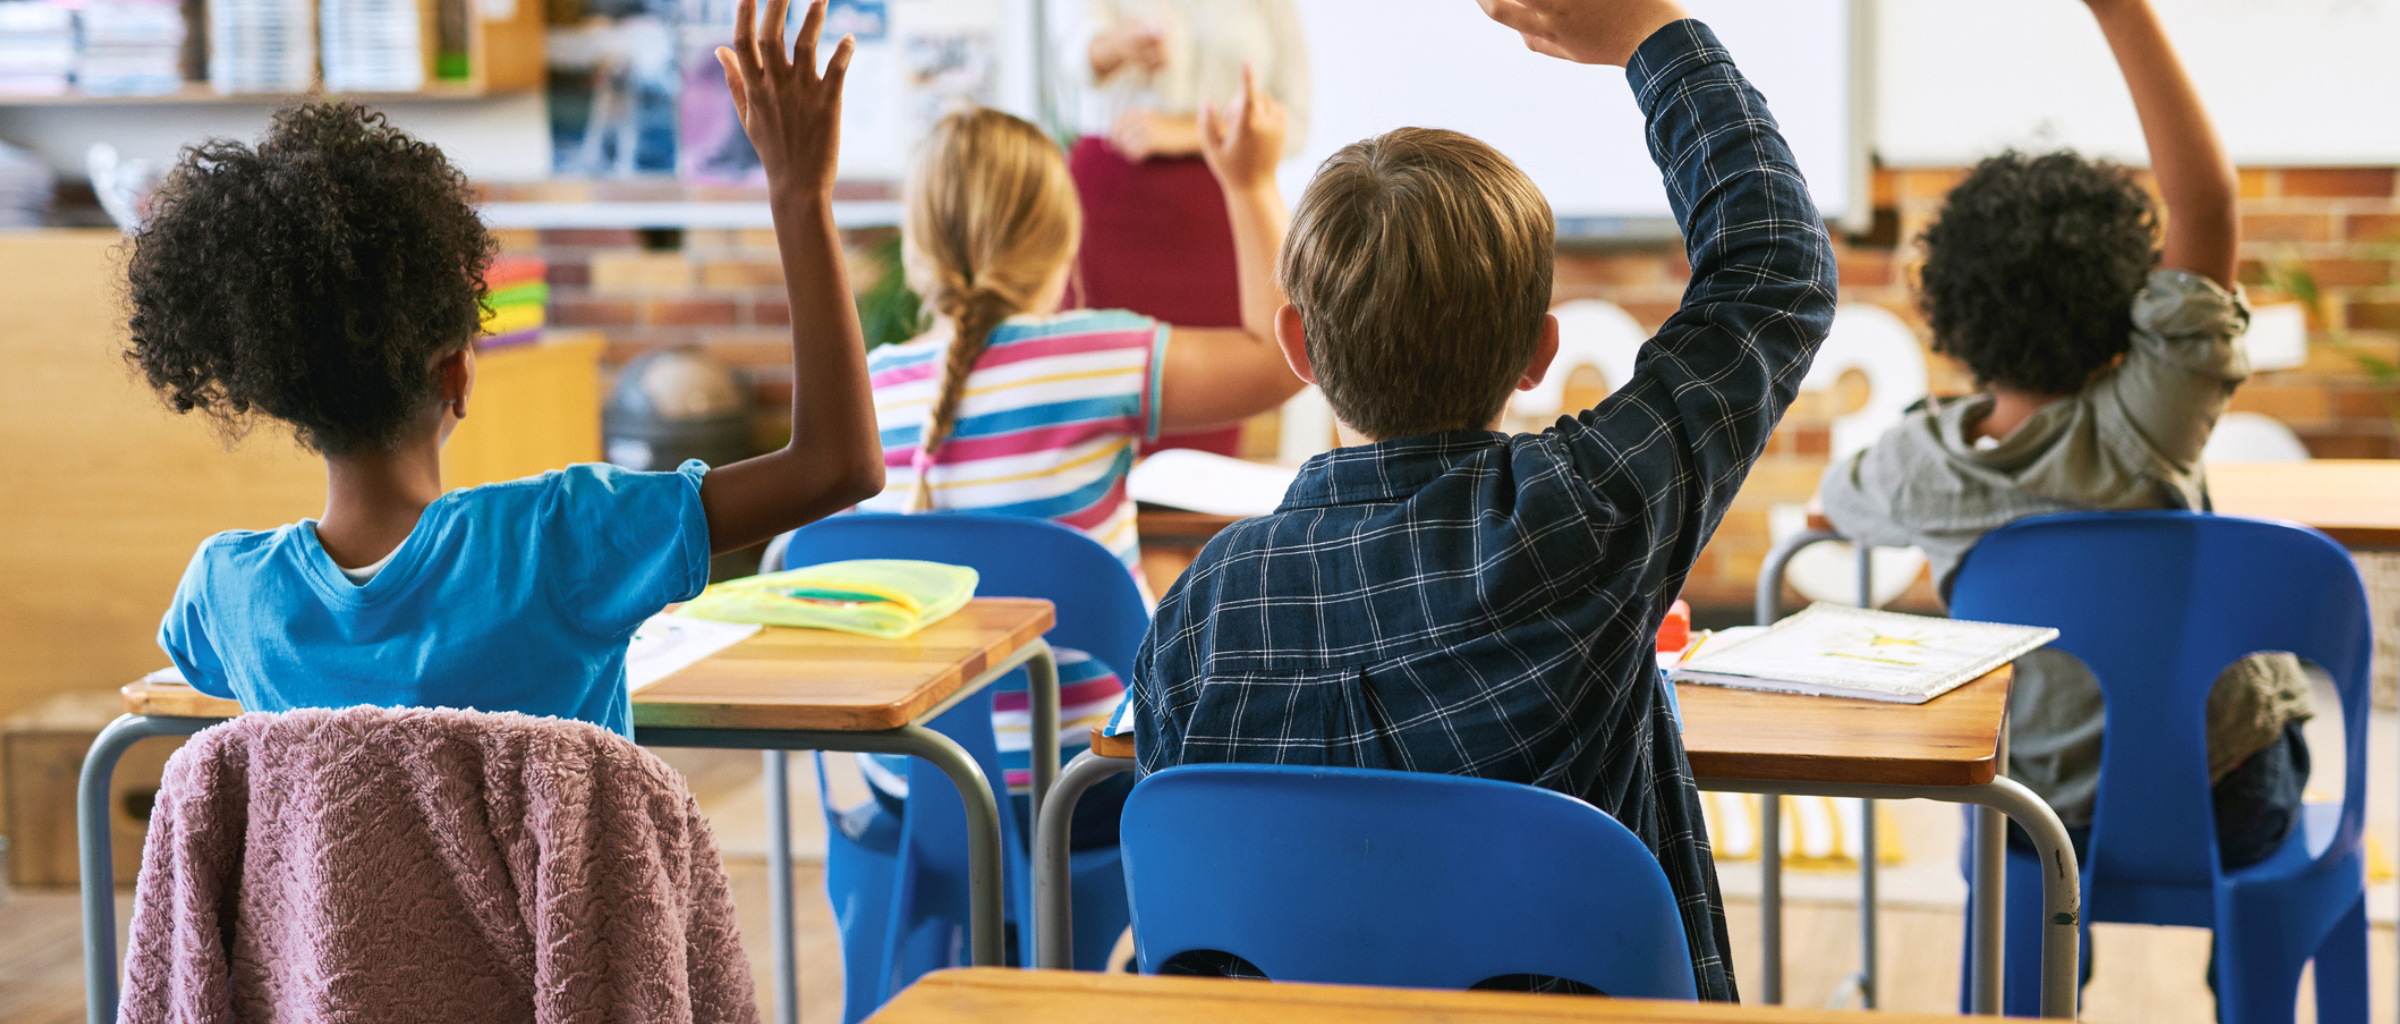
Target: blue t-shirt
(517,596)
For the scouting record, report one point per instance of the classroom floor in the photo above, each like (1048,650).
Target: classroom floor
(2141,974)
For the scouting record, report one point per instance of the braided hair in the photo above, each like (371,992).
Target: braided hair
(991,218)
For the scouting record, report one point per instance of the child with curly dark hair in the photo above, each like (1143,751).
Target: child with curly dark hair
(332,279)
(2105,358)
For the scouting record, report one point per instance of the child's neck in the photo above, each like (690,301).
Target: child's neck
(373,499)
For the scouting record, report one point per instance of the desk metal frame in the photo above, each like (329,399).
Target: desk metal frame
(1053,895)
(987,892)
(2062,895)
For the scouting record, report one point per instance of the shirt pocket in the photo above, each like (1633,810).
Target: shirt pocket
(1321,717)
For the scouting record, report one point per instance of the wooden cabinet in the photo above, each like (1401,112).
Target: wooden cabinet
(104,493)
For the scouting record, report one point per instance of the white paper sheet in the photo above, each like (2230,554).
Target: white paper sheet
(668,643)
(1203,482)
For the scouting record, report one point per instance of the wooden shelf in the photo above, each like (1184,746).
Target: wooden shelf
(503,56)
(200,93)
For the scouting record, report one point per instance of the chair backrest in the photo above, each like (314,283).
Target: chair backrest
(1100,611)
(2157,604)
(1364,876)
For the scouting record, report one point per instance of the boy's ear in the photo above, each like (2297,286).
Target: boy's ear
(1293,339)
(457,373)
(1544,352)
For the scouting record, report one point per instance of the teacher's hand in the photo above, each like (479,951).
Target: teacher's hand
(1141,134)
(1243,142)
(1132,41)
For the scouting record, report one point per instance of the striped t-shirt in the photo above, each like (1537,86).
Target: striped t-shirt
(1046,429)
(1047,426)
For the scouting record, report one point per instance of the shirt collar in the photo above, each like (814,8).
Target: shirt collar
(1385,471)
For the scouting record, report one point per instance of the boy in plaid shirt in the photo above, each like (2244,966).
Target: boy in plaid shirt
(1437,596)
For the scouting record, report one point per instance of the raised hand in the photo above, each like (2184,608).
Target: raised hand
(792,112)
(1243,142)
(1585,31)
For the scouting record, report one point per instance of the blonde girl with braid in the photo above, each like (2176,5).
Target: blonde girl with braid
(1007,405)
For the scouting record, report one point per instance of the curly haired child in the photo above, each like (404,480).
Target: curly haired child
(331,278)
(2105,350)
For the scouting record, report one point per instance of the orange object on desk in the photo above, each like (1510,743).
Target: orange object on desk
(1675,633)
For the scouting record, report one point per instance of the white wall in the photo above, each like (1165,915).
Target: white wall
(505,138)
(2287,81)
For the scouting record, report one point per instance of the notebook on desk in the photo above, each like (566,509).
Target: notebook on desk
(1839,651)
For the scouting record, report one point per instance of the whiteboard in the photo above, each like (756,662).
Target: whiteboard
(2286,81)
(1383,64)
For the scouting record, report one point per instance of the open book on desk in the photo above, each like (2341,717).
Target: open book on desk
(1837,651)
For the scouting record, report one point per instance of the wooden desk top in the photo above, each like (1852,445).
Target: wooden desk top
(783,678)
(1950,740)
(2356,501)
(1178,526)
(1748,734)
(995,995)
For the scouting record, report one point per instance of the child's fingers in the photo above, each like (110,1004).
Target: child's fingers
(838,68)
(745,29)
(734,82)
(774,54)
(1542,45)
(812,25)
(1212,129)
(1515,15)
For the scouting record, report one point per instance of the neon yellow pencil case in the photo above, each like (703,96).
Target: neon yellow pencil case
(881,597)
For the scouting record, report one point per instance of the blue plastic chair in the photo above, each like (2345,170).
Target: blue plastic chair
(896,885)
(2157,604)
(1371,877)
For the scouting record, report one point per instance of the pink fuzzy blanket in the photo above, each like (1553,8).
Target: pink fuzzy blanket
(380,864)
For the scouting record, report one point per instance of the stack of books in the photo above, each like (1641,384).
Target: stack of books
(262,46)
(372,46)
(514,311)
(131,48)
(37,47)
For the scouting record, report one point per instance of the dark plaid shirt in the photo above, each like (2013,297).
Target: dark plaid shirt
(1486,604)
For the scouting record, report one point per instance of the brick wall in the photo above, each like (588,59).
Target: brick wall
(722,290)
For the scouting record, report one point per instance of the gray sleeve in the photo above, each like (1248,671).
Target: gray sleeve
(2184,363)
(1859,494)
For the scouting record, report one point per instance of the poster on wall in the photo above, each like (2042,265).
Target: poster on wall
(612,87)
(635,87)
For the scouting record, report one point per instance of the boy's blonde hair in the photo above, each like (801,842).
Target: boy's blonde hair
(1420,262)
(991,216)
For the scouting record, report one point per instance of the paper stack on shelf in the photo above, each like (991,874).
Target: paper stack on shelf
(515,310)
(373,46)
(131,48)
(265,46)
(37,47)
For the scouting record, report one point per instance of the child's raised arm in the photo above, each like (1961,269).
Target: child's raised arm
(793,115)
(2193,172)
(1218,376)
(1672,444)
